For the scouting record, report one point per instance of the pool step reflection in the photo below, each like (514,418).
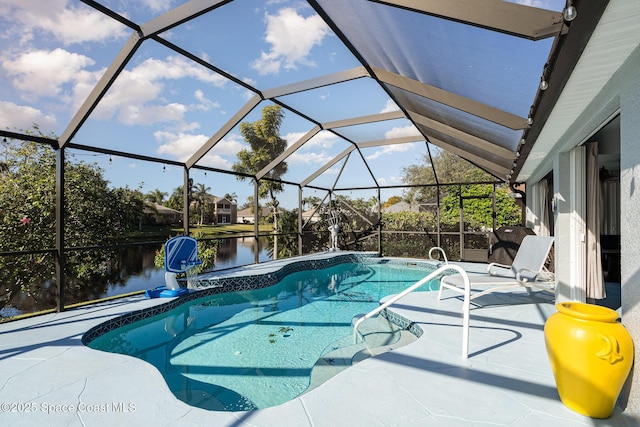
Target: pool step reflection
(380,336)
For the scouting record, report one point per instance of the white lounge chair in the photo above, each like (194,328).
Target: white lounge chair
(527,270)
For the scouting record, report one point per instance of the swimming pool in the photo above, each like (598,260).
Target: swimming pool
(252,349)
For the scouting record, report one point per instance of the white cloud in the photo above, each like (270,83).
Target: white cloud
(397,148)
(66,23)
(149,114)
(389,107)
(157,5)
(313,152)
(308,158)
(230,145)
(131,99)
(43,73)
(204,103)
(183,127)
(332,171)
(536,3)
(322,139)
(176,67)
(392,180)
(132,95)
(181,146)
(288,25)
(23,117)
(397,132)
(293,137)
(215,161)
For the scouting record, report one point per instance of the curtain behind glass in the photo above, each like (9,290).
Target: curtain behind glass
(594,277)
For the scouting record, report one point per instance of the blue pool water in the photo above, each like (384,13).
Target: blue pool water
(254,349)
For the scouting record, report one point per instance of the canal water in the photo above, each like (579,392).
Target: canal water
(130,269)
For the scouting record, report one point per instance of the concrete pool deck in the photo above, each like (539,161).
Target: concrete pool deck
(48,377)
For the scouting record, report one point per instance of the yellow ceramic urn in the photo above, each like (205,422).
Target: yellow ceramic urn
(591,356)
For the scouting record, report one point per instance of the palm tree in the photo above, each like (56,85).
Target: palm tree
(233,197)
(200,194)
(155,196)
(176,199)
(311,202)
(265,143)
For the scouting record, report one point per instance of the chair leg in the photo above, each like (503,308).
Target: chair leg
(465,326)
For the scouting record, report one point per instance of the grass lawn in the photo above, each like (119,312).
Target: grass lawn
(210,231)
(229,230)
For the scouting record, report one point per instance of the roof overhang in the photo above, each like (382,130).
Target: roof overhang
(583,67)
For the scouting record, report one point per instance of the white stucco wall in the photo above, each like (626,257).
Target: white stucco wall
(630,230)
(621,95)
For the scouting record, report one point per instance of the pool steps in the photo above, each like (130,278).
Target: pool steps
(380,335)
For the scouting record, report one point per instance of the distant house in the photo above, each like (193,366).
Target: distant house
(246,216)
(162,214)
(224,211)
(401,207)
(310,216)
(219,210)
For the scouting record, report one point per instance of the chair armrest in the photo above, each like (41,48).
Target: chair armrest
(491,271)
(545,276)
(521,279)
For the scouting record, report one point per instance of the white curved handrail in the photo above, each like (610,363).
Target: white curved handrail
(440,270)
(437,248)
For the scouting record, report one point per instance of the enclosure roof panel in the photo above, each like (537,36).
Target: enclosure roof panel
(357,80)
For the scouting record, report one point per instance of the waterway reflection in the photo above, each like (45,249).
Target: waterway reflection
(140,272)
(127,269)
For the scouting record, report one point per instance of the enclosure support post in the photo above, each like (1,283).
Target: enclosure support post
(379,224)
(438,215)
(256,220)
(299,220)
(494,215)
(461,228)
(186,192)
(60,254)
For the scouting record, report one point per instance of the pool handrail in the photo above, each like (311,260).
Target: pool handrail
(430,276)
(439,249)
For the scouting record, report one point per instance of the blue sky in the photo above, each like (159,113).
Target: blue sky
(163,105)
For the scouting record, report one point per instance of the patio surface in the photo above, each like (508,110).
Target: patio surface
(48,377)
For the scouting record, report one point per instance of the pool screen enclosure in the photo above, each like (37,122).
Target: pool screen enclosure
(474,78)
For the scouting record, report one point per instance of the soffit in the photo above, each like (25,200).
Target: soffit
(609,47)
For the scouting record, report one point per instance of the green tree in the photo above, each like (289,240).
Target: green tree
(155,196)
(311,202)
(414,245)
(175,200)
(391,201)
(201,196)
(130,207)
(449,167)
(247,204)
(94,215)
(478,212)
(288,241)
(265,144)
(232,197)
